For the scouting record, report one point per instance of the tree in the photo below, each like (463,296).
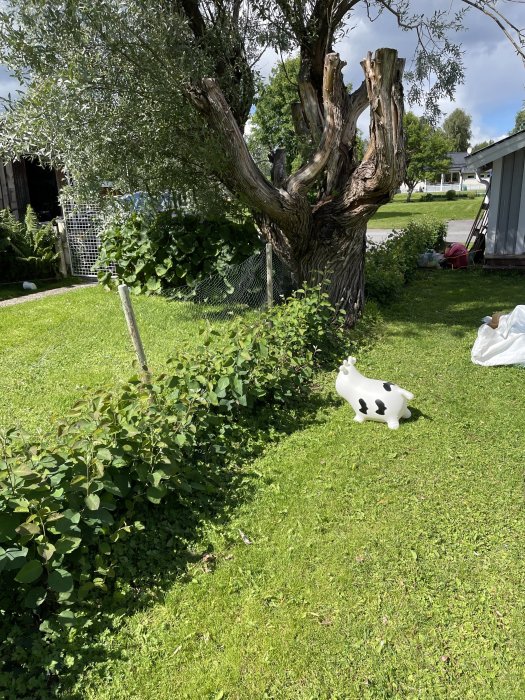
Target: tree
(156,93)
(482,144)
(519,123)
(456,129)
(277,122)
(426,151)
(273,124)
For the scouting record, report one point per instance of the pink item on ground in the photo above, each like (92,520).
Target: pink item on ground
(457,255)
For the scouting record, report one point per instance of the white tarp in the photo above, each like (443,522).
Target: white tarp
(504,345)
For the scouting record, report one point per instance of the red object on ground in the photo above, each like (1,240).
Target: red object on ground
(457,255)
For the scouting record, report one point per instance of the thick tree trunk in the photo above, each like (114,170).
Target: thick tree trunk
(326,240)
(338,261)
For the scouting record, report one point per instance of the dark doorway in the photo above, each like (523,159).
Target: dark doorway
(43,191)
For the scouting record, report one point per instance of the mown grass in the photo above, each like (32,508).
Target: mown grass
(54,349)
(399,212)
(383,564)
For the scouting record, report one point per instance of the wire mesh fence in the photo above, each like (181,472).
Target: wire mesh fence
(235,290)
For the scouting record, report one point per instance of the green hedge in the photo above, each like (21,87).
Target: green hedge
(69,506)
(391,264)
(154,253)
(27,250)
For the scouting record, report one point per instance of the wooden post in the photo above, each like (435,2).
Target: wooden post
(269,276)
(133,329)
(62,249)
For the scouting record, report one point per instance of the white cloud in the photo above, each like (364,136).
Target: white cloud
(494,86)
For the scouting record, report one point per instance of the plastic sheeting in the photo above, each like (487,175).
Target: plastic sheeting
(504,345)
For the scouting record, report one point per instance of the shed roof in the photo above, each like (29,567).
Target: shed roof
(497,150)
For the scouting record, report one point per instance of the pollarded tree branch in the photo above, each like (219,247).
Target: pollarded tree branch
(342,161)
(333,102)
(383,166)
(237,169)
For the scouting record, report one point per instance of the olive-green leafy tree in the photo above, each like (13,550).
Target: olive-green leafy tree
(276,121)
(457,129)
(426,151)
(482,144)
(519,122)
(155,94)
(272,121)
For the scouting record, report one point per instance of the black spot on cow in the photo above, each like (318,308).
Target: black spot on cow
(387,386)
(381,408)
(364,407)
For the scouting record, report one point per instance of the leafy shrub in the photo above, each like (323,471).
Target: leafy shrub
(451,195)
(69,505)
(27,249)
(427,197)
(153,253)
(392,263)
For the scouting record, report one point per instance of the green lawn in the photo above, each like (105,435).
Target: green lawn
(53,349)
(399,212)
(383,564)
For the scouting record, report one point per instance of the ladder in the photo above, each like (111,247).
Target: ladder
(478,231)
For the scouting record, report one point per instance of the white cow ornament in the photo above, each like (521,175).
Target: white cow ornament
(372,399)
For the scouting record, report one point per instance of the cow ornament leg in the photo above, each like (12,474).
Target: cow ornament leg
(372,399)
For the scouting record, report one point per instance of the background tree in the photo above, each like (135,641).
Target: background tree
(277,122)
(272,121)
(482,144)
(426,151)
(457,129)
(519,122)
(155,94)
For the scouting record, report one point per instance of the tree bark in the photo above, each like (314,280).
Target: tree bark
(325,241)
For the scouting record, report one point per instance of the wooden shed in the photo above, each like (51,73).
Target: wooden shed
(24,182)
(505,238)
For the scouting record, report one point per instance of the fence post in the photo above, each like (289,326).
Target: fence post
(269,276)
(133,329)
(62,249)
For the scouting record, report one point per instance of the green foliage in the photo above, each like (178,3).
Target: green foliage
(482,144)
(451,195)
(391,264)
(519,122)
(273,125)
(70,505)
(26,248)
(152,254)
(426,151)
(111,98)
(386,565)
(427,197)
(457,129)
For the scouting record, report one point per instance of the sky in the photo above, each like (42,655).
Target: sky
(494,86)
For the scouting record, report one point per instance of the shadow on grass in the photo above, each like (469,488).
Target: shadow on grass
(151,561)
(13,290)
(456,299)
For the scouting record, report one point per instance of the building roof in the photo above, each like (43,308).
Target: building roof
(457,161)
(497,150)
